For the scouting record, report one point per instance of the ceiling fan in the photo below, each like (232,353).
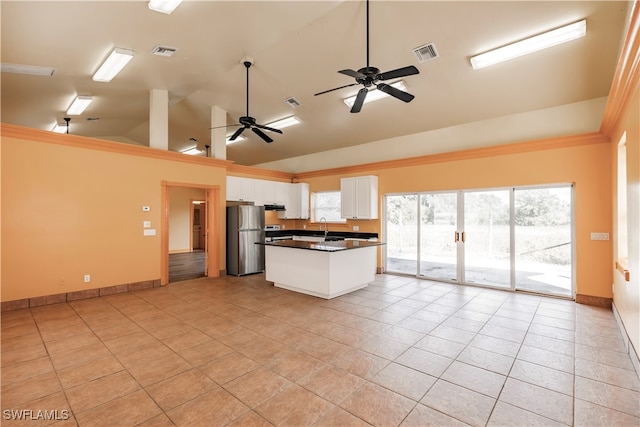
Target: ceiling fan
(248,122)
(370,76)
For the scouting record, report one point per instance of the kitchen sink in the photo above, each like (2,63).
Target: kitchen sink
(333,238)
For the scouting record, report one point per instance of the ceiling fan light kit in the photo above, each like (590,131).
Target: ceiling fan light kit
(370,76)
(110,68)
(530,45)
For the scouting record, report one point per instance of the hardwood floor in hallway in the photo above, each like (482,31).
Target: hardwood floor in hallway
(186,266)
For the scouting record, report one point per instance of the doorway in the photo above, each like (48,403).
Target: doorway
(190,236)
(518,238)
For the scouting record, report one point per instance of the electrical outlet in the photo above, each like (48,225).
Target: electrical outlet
(87,278)
(304,226)
(356,228)
(61,281)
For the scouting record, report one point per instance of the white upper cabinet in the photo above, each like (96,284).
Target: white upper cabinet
(265,192)
(298,202)
(359,197)
(240,189)
(294,197)
(281,193)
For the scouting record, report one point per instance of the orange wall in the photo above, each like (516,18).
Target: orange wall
(68,210)
(582,160)
(77,211)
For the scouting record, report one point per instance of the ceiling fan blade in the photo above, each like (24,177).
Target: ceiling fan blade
(262,134)
(396,93)
(331,90)
(237,134)
(400,72)
(357,105)
(268,128)
(352,73)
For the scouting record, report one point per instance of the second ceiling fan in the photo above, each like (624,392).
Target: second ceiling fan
(248,122)
(370,76)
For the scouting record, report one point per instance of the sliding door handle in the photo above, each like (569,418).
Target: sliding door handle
(456,236)
(463,237)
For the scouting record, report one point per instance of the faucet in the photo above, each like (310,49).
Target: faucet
(325,226)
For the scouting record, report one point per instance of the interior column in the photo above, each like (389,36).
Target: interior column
(219,134)
(159,119)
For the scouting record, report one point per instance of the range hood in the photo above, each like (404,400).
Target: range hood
(274,208)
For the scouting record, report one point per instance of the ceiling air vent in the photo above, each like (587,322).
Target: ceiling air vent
(164,50)
(292,102)
(426,53)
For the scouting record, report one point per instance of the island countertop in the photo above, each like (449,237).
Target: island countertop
(330,246)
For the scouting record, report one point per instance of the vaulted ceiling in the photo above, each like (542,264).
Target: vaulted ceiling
(298,47)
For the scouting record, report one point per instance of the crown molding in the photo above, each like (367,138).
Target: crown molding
(19,132)
(626,75)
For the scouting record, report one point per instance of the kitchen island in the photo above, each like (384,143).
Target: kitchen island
(322,269)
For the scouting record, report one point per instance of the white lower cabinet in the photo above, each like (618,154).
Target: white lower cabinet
(359,197)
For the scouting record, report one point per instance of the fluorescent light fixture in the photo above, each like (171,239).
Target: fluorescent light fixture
(194,151)
(284,123)
(31,70)
(59,128)
(79,105)
(238,139)
(375,94)
(113,65)
(164,6)
(530,45)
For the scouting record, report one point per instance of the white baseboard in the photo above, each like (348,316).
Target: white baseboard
(633,354)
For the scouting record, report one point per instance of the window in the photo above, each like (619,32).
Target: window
(326,204)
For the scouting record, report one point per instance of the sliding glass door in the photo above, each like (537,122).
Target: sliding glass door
(512,238)
(438,230)
(487,238)
(401,233)
(544,240)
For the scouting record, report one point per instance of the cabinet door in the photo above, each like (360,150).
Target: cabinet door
(285,193)
(264,192)
(281,193)
(303,189)
(240,189)
(347,198)
(366,201)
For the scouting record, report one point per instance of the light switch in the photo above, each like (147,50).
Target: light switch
(146,224)
(150,232)
(599,236)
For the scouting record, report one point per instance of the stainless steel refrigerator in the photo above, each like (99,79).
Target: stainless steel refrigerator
(245,227)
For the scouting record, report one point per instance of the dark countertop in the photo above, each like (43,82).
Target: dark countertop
(340,245)
(343,234)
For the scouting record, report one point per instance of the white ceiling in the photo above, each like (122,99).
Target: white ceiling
(298,47)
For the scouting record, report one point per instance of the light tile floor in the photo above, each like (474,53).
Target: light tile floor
(239,352)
